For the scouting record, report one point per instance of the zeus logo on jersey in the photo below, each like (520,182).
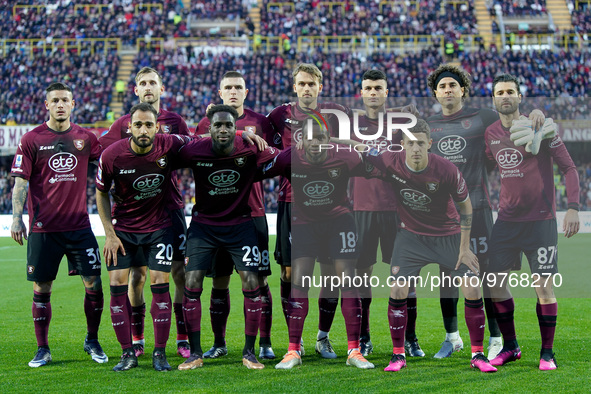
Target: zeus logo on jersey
(63,162)
(224,178)
(509,158)
(318,189)
(148,182)
(451,145)
(415,197)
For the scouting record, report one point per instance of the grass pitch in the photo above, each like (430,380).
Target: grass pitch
(73,371)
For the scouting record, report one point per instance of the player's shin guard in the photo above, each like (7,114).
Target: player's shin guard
(351,309)
(41,311)
(219,310)
(93,309)
(285,294)
(192,314)
(297,312)
(138,316)
(504,311)
(547,315)
(161,313)
(252,317)
(327,307)
(121,315)
(266,315)
(397,318)
(181,328)
(475,319)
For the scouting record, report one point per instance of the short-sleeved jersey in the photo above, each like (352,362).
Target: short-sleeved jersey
(142,183)
(426,198)
(375,194)
(223,183)
(261,126)
(56,166)
(170,123)
(288,120)
(460,139)
(320,190)
(527,181)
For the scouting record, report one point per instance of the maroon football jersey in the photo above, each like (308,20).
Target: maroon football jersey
(261,126)
(287,120)
(527,181)
(320,190)
(170,123)
(375,194)
(56,166)
(223,183)
(142,183)
(425,199)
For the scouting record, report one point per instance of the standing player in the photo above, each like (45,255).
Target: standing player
(233,92)
(458,135)
(323,226)
(374,205)
(527,219)
(224,168)
(149,88)
(52,159)
(141,222)
(287,120)
(430,231)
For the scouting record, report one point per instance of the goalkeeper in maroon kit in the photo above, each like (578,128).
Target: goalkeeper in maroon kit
(527,216)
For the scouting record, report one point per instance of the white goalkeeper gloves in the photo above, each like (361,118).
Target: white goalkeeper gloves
(522,133)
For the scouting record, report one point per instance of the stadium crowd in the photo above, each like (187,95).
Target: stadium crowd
(124,19)
(512,8)
(24,79)
(367,18)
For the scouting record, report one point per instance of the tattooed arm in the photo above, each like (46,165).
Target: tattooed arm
(18,229)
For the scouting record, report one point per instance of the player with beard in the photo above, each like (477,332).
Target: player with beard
(233,92)
(149,88)
(140,169)
(458,135)
(52,160)
(527,218)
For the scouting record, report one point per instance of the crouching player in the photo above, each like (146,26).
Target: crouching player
(527,217)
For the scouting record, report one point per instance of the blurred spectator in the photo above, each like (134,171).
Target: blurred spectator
(24,79)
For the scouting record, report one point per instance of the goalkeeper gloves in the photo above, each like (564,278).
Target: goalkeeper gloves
(522,133)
